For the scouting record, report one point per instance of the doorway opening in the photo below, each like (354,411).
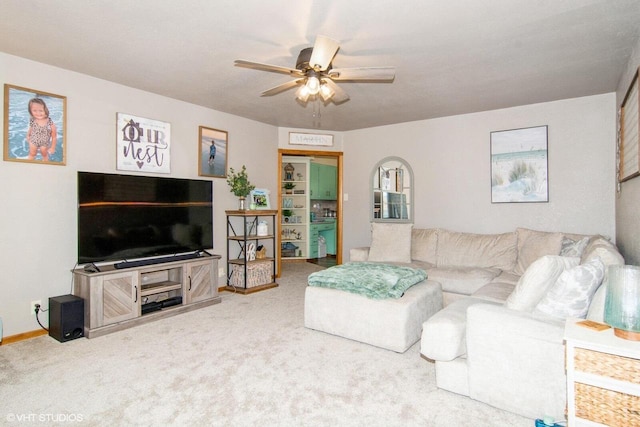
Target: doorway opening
(320,214)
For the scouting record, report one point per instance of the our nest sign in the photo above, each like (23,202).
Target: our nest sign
(143,145)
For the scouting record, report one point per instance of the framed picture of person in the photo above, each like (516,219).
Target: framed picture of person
(34,126)
(212,152)
(260,198)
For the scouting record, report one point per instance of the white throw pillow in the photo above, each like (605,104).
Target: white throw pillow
(571,295)
(537,279)
(390,242)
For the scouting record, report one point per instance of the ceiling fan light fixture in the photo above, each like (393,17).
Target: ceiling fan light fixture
(326,92)
(303,93)
(313,85)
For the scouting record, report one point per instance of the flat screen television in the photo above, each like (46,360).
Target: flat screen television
(125,217)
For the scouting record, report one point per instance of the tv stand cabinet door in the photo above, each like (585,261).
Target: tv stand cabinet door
(120,297)
(200,280)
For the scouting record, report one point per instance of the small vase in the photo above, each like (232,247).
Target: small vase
(241,205)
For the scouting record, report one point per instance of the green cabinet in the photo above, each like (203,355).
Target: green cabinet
(323,182)
(326,230)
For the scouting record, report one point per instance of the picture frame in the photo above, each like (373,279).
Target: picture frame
(629,133)
(142,145)
(216,140)
(519,165)
(301,138)
(260,197)
(25,140)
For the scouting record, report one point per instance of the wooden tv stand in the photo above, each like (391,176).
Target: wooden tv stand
(114,298)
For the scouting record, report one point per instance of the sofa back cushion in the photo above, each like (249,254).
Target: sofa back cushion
(476,250)
(390,242)
(534,244)
(423,244)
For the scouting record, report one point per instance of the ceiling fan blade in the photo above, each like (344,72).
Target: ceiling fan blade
(267,67)
(324,50)
(281,88)
(363,73)
(339,95)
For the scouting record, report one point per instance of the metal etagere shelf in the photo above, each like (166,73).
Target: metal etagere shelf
(250,270)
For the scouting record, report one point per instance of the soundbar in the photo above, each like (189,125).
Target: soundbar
(151,261)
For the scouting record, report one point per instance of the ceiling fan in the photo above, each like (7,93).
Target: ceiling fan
(315,75)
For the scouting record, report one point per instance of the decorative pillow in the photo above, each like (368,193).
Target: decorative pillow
(390,242)
(571,295)
(572,247)
(539,277)
(535,244)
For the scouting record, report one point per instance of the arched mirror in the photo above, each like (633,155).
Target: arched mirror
(391,191)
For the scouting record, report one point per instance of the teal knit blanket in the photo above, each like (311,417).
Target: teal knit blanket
(372,280)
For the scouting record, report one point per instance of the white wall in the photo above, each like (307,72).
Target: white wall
(450,158)
(628,200)
(38,234)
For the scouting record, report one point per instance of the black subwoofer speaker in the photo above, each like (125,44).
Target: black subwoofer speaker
(66,317)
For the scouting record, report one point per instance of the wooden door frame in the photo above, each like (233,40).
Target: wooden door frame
(337,155)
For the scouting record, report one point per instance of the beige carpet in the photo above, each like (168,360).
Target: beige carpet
(248,361)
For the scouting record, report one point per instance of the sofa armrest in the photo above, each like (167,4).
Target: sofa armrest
(359,254)
(516,361)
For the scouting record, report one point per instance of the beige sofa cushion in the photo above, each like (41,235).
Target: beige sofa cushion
(495,291)
(443,335)
(476,250)
(423,244)
(534,244)
(462,280)
(390,242)
(508,277)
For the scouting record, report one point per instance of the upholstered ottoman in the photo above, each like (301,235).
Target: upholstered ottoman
(393,324)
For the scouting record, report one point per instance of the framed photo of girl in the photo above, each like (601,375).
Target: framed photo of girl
(212,152)
(34,126)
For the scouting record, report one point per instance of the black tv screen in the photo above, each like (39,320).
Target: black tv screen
(124,217)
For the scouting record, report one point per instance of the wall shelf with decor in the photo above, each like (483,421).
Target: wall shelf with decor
(251,265)
(294,205)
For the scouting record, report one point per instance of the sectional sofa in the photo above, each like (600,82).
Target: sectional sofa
(499,337)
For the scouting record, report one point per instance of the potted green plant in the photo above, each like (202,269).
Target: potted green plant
(286,213)
(288,187)
(240,185)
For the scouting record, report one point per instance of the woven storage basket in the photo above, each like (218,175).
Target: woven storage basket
(604,406)
(607,365)
(259,273)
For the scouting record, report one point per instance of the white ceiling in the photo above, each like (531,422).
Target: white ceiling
(451,56)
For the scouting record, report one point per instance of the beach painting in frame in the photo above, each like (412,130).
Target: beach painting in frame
(34,126)
(519,165)
(212,152)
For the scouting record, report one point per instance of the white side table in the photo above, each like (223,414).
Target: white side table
(603,377)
